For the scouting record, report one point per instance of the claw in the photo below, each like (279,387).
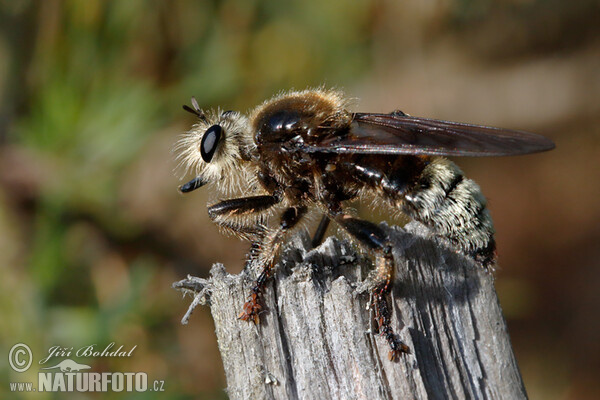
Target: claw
(251,309)
(397,349)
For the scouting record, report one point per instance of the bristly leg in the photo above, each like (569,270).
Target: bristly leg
(373,237)
(265,253)
(242,216)
(379,296)
(253,306)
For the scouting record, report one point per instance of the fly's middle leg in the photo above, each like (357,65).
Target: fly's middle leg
(265,253)
(374,238)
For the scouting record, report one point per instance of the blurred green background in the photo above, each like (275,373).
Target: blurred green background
(93,231)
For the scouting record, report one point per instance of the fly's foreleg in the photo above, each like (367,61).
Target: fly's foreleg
(266,252)
(241,207)
(242,216)
(374,238)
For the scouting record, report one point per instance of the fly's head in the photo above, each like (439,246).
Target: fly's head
(216,149)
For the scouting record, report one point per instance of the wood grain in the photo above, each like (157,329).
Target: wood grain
(315,338)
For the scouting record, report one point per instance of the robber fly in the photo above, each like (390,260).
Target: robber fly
(304,150)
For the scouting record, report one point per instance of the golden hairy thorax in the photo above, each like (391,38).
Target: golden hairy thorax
(318,108)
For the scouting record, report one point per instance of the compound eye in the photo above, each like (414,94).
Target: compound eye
(210,141)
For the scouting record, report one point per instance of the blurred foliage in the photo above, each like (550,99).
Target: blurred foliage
(92,231)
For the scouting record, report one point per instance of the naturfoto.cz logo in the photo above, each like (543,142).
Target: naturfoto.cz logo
(70,376)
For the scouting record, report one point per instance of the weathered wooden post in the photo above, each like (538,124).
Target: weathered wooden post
(315,340)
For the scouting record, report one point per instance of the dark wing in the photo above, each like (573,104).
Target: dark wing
(402,134)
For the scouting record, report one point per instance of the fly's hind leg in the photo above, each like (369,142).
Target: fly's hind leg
(320,232)
(265,252)
(374,238)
